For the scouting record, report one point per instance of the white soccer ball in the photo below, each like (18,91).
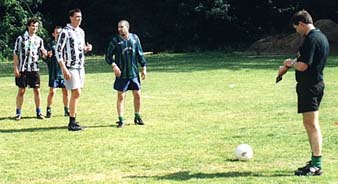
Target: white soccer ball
(243,152)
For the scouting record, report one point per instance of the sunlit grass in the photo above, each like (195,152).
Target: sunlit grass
(197,109)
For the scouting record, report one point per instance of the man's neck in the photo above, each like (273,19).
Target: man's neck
(31,34)
(309,28)
(74,25)
(126,36)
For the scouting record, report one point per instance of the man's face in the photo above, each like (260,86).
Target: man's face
(76,19)
(56,32)
(33,27)
(299,28)
(123,29)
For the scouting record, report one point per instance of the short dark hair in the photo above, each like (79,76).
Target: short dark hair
(32,20)
(76,10)
(57,27)
(301,16)
(126,22)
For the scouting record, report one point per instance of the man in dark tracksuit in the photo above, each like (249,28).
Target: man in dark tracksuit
(123,54)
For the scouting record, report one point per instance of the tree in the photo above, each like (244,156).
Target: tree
(13,17)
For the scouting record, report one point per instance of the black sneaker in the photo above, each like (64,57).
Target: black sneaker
(74,127)
(138,121)
(66,113)
(40,116)
(49,114)
(309,170)
(17,117)
(120,124)
(308,163)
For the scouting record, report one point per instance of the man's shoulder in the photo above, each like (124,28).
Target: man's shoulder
(116,38)
(133,35)
(38,38)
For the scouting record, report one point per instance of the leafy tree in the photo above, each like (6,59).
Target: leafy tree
(13,17)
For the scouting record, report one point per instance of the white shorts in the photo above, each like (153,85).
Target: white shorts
(77,78)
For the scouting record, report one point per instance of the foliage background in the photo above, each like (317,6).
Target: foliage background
(168,25)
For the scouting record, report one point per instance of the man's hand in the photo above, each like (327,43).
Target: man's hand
(144,73)
(65,71)
(282,70)
(16,72)
(289,62)
(88,47)
(49,54)
(116,70)
(44,53)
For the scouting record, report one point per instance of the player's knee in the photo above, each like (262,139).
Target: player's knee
(21,92)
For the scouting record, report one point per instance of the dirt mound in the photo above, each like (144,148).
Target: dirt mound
(289,44)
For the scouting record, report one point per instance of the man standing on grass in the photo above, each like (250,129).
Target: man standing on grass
(71,48)
(309,65)
(55,76)
(123,53)
(27,49)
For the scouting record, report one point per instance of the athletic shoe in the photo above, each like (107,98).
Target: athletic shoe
(66,113)
(307,165)
(138,121)
(49,114)
(74,127)
(309,170)
(120,124)
(40,116)
(17,117)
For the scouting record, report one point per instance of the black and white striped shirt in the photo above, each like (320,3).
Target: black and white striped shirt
(70,47)
(28,49)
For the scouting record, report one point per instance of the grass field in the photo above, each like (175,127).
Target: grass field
(197,109)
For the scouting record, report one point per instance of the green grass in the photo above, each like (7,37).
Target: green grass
(197,109)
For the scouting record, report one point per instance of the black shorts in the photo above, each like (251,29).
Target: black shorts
(309,97)
(31,79)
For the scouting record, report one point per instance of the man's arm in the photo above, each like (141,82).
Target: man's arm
(297,65)
(110,59)
(15,65)
(141,59)
(43,50)
(59,54)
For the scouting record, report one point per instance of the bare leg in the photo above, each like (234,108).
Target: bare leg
(20,97)
(65,97)
(120,102)
(137,100)
(50,97)
(37,97)
(311,124)
(74,100)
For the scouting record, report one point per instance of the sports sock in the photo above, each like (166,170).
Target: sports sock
(18,111)
(316,161)
(38,111)
(49,109)
(137,115)
(121,118)
(66,109)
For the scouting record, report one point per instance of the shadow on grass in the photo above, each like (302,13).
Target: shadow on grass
(184,62)
(186,175)
(42,129)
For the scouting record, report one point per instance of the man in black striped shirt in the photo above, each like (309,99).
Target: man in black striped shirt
(70,50)
(26,53)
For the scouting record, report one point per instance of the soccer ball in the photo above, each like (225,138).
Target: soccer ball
(243,152)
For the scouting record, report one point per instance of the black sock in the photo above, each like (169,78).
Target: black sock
(72,120)
(49,109)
